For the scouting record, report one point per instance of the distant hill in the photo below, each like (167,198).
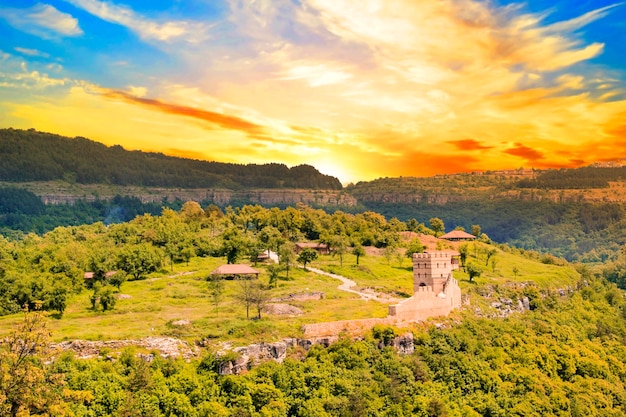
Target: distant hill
(48,180)
(579,214)
(29,155)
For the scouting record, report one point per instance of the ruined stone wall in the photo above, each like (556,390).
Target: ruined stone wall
(344,326)
(437,297)
(425,303)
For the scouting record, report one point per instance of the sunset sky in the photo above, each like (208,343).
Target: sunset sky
(359,89)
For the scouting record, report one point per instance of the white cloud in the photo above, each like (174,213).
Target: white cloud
(580,21)
(42,20)
(317,75)
(146,28)
(31,52)
(16,75)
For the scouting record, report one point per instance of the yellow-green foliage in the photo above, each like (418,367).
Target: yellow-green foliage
(566,359)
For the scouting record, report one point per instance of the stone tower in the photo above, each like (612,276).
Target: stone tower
(432,269)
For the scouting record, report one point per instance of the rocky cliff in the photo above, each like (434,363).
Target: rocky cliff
(58,192)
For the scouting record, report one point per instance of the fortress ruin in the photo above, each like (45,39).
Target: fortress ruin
(435,293)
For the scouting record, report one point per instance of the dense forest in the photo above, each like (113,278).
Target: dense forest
(554,215)
(585,232)
(565,360)
(546,211)
(565,356)
(23,212)
(28,155)
(580,178)
(578,231)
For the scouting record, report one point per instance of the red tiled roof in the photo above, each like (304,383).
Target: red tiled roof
(312,245)
(457,234)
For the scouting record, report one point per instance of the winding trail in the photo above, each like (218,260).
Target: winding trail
(348,285)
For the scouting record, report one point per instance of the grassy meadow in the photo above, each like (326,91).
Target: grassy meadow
(149,307)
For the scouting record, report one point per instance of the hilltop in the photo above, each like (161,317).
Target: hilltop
(29,155)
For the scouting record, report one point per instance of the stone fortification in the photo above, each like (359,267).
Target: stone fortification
(432,269)
(436,293)
(334,328)
(426,303)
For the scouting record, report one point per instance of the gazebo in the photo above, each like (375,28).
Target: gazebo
(233,271)
(457,235)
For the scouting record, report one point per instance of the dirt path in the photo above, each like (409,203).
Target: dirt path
(348,285)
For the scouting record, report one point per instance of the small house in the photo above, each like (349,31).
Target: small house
(457,235)
(321,248)
(236,271)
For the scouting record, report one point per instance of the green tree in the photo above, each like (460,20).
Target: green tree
(216,290)
(515,271)
(107,298)
(473,270)
(233,245)
(187,253)
(95,295)
(260,296)
(138,260)
(389,252)
(494,264)
(463,252)
(192,212)
(476,230)
(437,226)
(414,246)
(287,257)
(57,299)
(271,238)
(339,246)
(246,294)
(358,251)
(101,261)
(306,256)
(117,279)
(273,271)
(25,385)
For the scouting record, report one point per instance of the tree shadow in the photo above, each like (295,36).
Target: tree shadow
(404,268)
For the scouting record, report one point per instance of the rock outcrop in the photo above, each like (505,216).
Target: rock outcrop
(251,355)
(165,346)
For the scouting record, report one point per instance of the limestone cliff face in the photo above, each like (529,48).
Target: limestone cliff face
(411,198)
(62,193)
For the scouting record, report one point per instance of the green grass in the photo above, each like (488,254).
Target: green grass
(167,296)
(529,270)
(372,272)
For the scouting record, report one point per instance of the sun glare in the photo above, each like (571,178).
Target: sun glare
(331,167)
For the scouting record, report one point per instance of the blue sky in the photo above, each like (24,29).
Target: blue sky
(359,89)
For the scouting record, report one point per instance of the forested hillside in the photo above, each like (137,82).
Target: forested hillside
(21,211)
(564,355)
(581,178)
(578,214)
(28,155)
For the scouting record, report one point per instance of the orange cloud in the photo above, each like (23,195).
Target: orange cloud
(469,145)
(222,120)
(525,152)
